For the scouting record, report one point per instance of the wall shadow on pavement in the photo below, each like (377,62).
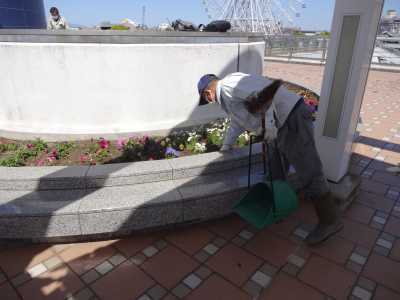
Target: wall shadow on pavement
(57,202)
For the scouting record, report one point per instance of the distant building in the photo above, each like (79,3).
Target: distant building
(22,14)
(390,23)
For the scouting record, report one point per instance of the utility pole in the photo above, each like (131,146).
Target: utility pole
(144,16)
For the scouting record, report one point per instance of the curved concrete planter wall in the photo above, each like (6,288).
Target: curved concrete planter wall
(71,85)
(79,203)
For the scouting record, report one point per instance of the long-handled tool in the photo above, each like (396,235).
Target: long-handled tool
(266,203)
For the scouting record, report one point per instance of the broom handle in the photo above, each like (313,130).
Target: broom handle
(250,153)
(268,152)
(271,178)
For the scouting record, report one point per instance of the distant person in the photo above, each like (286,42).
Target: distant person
(56,22)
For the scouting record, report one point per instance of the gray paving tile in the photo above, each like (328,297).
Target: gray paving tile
(354,267)
(84,294)
(157,292)
(358,259)
(150,251)
(203,272)
(252,288)
(211,249)
(219,242)
(361,293)
(192,281)
(238,241)
(261,279)
(296,260)
(90,276)
(384,243)
(117,259)
(381,250)
(366,284)
(20,279)
(104,268)
(138,259)
(181,291)
(246,235)
(291,269)
(161,244)
(53,263)
(202,256)
(269,269)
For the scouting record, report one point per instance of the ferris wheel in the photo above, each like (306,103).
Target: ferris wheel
(266,16)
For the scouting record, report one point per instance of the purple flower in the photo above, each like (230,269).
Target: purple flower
(172,151)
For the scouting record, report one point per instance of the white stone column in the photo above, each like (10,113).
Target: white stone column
(351,47)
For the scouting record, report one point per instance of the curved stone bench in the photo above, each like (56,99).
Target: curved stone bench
(61,204)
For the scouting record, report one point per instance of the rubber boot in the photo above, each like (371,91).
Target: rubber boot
(330,221)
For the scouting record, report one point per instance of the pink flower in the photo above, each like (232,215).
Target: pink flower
(40,162)
(121,144)
(29,146)
(104,144)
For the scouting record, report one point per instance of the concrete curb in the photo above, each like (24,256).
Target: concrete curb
(65,204)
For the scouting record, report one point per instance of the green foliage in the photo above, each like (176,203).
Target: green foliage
(64,149)
(11,147)
(14,160)
(39,146)
(325,34)
(119,27)
(243,139)
(298,33)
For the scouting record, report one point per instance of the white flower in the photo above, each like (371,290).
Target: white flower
(192,135)
(200,147)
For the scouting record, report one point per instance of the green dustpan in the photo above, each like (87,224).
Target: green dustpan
(266,204)
(262,207)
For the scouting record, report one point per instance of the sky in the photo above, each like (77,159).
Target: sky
(316,16)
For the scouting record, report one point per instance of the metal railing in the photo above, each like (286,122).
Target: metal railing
(315,48)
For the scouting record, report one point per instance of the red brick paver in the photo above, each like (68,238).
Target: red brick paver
(15,261)
(52,285)
(216,288)
(393,226)
(125,282)
(285,287)
(383,293)
(190,240)
(170,266)
(384,271)
(328,277)
(83,257)
(227,227)
(272,248)
(7,292)
(336,249)
(234,264)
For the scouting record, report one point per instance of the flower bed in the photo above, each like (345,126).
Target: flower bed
(205,138)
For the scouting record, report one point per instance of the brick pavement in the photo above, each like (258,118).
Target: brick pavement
(227,259)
